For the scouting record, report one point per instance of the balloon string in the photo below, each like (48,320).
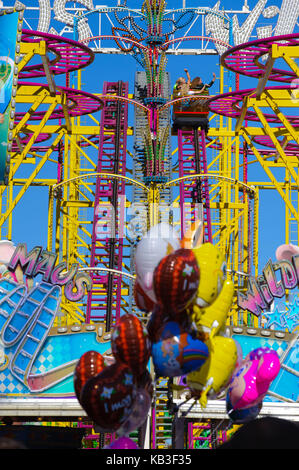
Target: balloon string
(190,408)
(184,402)
(216,429)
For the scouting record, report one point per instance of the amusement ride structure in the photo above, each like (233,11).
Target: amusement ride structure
(194,155)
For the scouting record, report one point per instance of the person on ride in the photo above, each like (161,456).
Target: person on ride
(187,87)
(200,87)
(182,86)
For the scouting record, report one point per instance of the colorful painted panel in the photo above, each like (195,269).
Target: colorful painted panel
(37,358)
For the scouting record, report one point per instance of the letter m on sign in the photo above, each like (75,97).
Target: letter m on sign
(26,261)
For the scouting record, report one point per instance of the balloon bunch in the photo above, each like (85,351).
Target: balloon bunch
(117,397)
(182,285)
(182,282)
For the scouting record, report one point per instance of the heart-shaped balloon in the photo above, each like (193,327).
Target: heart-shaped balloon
(130,343)
(177,352)
(138,414)
(252,379)
(90,364)
(242,416)
(108,398)
(176,280)
(145,381)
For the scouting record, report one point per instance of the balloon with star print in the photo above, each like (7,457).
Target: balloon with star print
(176,280)
(90,364)
(108,398)
(130,343)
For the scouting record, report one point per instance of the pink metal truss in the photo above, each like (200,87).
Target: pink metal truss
(64,55)
(104,300)
(250,59)
(230,105)
(78,103)
(291,148)
(193,160)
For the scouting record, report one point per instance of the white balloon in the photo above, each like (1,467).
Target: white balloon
(7,249)
(159,241)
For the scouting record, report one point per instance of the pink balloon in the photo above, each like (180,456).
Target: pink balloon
(123,443)
(269,366)
(138,414)
(251,380)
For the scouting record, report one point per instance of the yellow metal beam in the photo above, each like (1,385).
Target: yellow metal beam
(277,144)
(103,175)
(263,80)
(289,128)
(282,98)
(29,181)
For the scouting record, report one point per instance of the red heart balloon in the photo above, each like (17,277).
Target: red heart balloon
(90,364)
(176,280)
(145,381)
(130,343)
(108,398)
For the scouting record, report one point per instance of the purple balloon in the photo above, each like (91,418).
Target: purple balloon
(123,443)
(138,414)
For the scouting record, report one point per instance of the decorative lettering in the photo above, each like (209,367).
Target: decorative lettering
(75,290)
(39,261)
(276,287)
(263,289)
(253,300)
(26,262)
(215,26)
(45,265)
(65,17)
(288,16)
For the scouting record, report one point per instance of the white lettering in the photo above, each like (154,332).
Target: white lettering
(126,401)
(62,15)
(288,17)
(242,34)
(44,16)
(119,460)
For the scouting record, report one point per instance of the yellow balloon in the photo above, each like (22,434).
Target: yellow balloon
(217,370)
(212,273)
(214,297)
(211,319)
